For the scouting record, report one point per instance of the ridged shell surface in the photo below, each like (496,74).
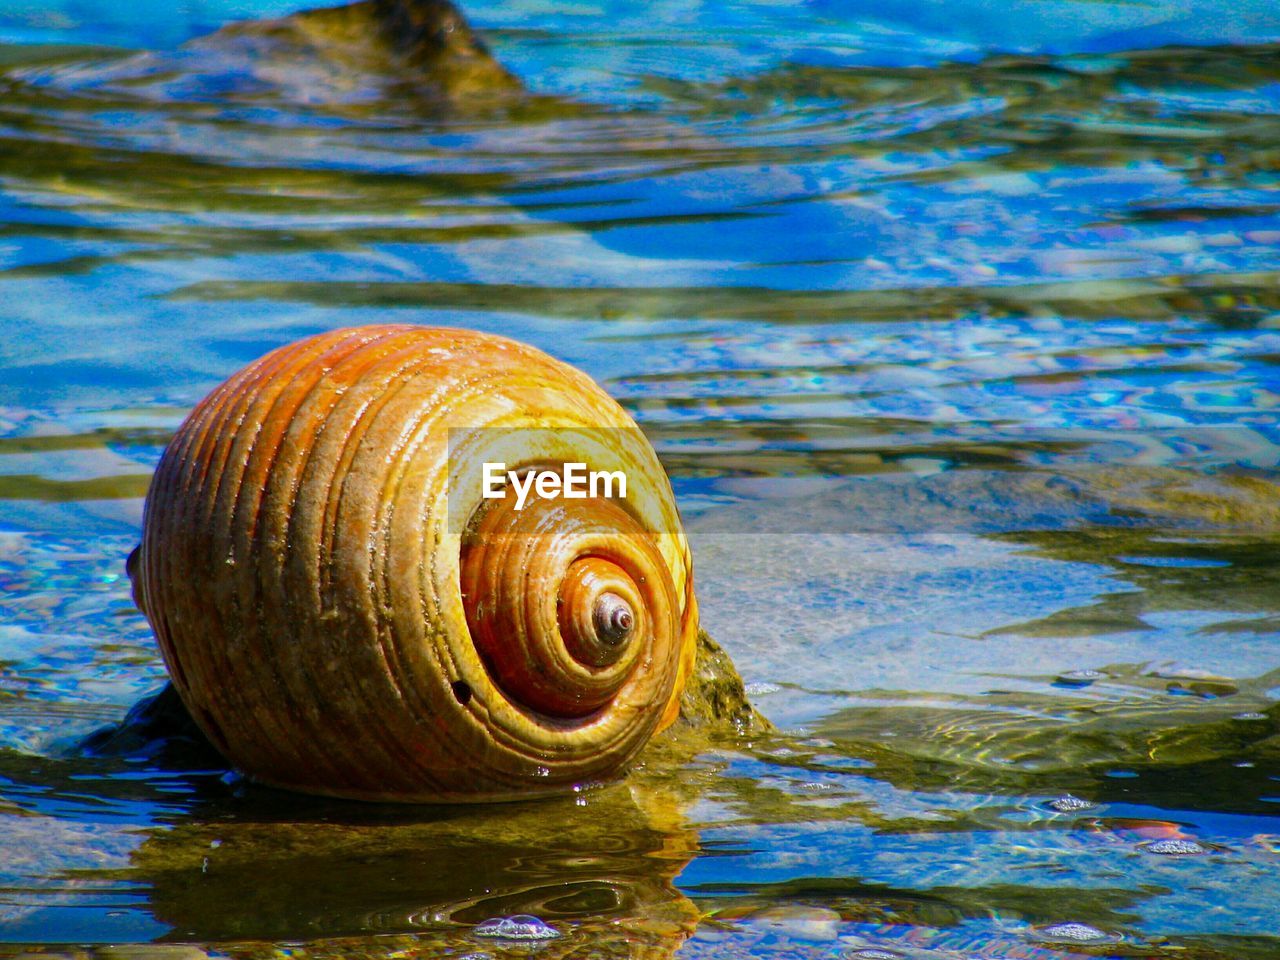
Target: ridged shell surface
(315,605)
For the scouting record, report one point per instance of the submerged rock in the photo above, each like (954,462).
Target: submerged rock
(403,55)
(422,47)
(158,727)
(715,696)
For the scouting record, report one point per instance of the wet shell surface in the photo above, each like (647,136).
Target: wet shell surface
(344,613)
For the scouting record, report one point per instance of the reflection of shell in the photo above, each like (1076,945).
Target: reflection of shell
(599,867)
(330,631)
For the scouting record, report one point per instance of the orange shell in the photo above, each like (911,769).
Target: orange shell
(304,580)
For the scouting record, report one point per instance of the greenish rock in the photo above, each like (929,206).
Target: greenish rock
(715,698)
(419,49)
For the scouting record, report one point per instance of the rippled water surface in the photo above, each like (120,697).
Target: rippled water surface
(957,325)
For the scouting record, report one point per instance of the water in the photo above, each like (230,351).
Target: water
(957,326)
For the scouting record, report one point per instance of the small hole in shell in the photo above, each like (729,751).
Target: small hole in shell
(461,692)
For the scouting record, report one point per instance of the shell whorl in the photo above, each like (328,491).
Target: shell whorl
(332,631)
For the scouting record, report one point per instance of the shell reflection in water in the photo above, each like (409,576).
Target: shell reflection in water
(343,612)
(319,875)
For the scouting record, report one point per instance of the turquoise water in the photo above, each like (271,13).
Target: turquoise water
(957,326)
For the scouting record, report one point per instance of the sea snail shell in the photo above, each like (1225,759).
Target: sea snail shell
(331,631)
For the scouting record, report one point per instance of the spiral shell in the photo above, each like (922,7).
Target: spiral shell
(332,631)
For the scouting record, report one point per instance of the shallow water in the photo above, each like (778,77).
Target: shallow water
(958,328)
